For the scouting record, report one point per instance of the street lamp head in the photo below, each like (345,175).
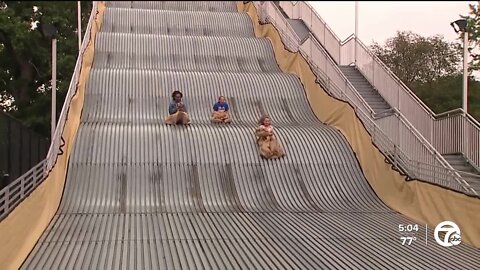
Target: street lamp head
(48,30)
(459,25)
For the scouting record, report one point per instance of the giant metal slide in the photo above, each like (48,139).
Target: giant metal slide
(143,195)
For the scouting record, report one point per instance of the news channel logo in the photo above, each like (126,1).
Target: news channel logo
(447,234)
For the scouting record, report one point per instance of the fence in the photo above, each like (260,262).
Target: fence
(13,194)
(393,133)
(20,149)
(392,89)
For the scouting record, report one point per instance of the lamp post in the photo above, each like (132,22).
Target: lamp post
(461,26)
(50,32)
(79,18)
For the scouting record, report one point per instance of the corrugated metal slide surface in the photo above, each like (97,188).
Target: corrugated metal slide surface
(143,195)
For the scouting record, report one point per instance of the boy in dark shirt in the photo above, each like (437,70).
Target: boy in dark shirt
(177,110)
(220,111)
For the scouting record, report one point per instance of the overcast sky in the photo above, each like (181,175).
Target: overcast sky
(380,20)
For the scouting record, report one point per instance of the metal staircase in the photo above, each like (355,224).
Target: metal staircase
(469,172)
(351,72)
(365,89)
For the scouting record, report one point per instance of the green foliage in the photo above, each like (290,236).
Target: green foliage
(445,94)
(25,57)
(473,29)
(416,59)
(431,67)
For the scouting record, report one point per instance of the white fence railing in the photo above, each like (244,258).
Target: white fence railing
(13,194)
(392,89)
(57,140)
(457,132)
(393,134)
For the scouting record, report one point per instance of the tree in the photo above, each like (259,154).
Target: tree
(430,67)
(25,57)
(445,94)
(473,27)
(416,59)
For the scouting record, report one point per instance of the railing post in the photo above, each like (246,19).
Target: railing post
(324,35)
(345,88)
(466,135)
(399,137)
(7,200)
(465,72)
(311,19)
(432,131)
(373,71)
(394,157)
(19,168)
(356,31)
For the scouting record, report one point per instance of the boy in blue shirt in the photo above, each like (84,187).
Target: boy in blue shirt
(177,110)
(220,111)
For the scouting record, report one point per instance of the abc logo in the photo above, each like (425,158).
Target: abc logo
(452,235)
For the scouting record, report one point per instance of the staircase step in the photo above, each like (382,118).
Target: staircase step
(458,162)
(473,182)
(378,105)
(362,85)
(356,77)
(300,28)
(365,89)
(368,93)
(464,168)
(373,97)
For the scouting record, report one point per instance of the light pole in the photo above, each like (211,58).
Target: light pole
(461,26)
(50,32)
(79,26)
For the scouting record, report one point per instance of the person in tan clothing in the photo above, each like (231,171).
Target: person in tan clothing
(267,142)
(177,110)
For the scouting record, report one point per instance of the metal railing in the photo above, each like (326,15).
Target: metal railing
(393,134)
(57,140)
(13,194)
(432,126)
(19,189)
